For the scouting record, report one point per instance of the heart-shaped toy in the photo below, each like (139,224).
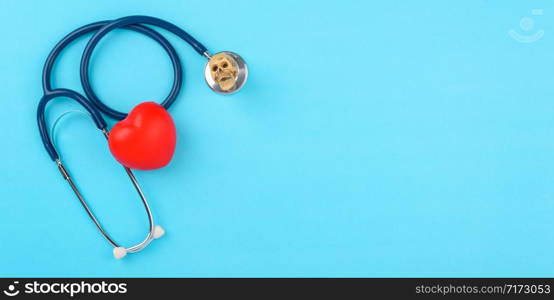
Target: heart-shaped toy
(145,139)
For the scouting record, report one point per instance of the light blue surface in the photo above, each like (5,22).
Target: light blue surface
(374,138)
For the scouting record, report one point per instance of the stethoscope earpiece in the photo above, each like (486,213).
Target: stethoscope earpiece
(120,252)
(226,72)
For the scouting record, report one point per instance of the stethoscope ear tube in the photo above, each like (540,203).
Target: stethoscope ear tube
(43,128)
(154,231)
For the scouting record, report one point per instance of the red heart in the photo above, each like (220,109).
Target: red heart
(145,139)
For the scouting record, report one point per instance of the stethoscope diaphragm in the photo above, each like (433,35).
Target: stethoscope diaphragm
(225,72)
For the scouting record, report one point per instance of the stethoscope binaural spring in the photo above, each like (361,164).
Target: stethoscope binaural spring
(225,73)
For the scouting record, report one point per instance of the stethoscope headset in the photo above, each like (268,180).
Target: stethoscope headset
(225,73)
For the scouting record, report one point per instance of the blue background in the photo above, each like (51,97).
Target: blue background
(373,138)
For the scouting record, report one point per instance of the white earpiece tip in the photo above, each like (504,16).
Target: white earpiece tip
(158,231)
(119,252)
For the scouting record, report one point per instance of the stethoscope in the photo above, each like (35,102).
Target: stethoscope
(225,73)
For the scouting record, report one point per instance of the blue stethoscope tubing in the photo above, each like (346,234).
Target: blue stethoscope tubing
(102,28)
(96,107)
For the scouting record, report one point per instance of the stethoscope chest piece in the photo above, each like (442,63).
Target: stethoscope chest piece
(226,72)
